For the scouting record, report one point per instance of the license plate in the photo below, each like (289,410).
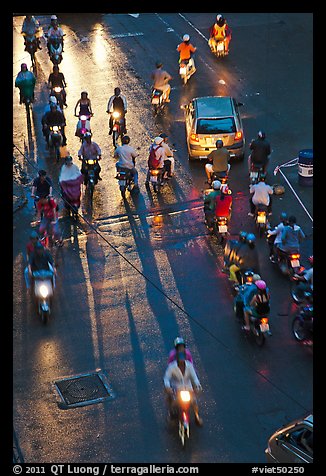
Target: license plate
(183,71)
(253,174)
(264,327)
(261,218)
(155,100)
(222,229)
(210,141)
(153,178)
(295,263)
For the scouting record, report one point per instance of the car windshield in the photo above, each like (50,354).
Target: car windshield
(224,125)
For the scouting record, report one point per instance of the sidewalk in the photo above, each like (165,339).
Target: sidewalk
(20,182)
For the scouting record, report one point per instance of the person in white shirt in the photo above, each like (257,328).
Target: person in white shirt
(180,374)
(260,195)
(169,161)
(126,156)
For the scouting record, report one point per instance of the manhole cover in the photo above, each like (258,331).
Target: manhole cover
(83,389)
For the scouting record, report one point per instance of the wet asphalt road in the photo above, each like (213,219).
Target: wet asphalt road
(109,312)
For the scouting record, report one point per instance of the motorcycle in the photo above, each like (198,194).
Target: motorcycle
(43,293)
(217,47)
(255,173)
(186,69)
(156,178)
(83,125)
(57,92)
(118,127)
(31,47)
(288,263)
(261,219)
(300,296)
(90,175)
(158,100)
(55,49)
(302,324)
(125,180)
(259,324)
(71,192)
(221,176)
(55,140)
(181,412)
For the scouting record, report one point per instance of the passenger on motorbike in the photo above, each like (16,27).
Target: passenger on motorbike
(54,118)
(161,79)
(277,232)
(291,237)
(126,156)
(210,203)
(231,248)
(219,31)
(169,161)
(54,32)
(30,246)
(186,50)
(118,103)
(181,374)
(160,157)
(90,150)
(25,82)
(47,206)
(260,152)
(42,185)
(41,259)
(218,160)
(260,194)
(224,202)
(52,100)
(31,27)
(57,79)
(245,259)
(84,103)
(256,302)
(179,346)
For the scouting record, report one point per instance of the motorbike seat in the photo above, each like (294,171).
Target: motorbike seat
(43,274)
(261,208)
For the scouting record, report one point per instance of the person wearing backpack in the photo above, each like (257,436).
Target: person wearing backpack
(156,158)
(259,303)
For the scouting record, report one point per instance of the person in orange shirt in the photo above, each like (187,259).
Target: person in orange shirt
(186,49)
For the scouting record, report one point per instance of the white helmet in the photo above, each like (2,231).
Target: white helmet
(186,37)
(158,140)
(53,99)
(54,17)
(219,17)
(216,185)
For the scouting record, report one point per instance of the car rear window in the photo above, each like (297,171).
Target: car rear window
(224,125)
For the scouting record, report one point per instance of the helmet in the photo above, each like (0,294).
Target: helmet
(262,178)
(311,260)
(68,159)
(87,135)
(33,235)
(84,92)
(216,185)
(284,216)
(260,284)
(53,99)
(54,17)
(42,173)
(243,236)
(292,219)
(163,135)
(179,341)
(251,238)
(158,140)
(256,277)
(117,91)
(220,19)
(125,139)
(225,189)
(158,64)
(23,65)
(219,143)
(261,135)
(186,37)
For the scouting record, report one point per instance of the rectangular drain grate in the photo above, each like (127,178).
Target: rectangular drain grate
(84,389)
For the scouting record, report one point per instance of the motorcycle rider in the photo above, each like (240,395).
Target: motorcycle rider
(117,102)
(260,152)
(169,161)
(54,118)
(25,82)
(219,31)
(84,103)
(56,78)
(31,27)
(291,237)
(126,159)
(70,180)
(52,100)
(161,79)
(54,32)
(224,202)
(245,259)
(186,49)
(47,206)
(231,248)
(277,233)
(306,279)
(260,194)
(90,150)
(179,346)
(218,160)
(256,303)
(41,259)
(210,203)
(42,185)
(30,246)
(160,157)
(180,373)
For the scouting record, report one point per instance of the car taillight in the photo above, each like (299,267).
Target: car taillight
(238,135)
(194,137)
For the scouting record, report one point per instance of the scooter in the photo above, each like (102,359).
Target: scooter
(118,128)
(43,293)
(125,181)
(90,175)
(259,324)
(156,178)
(57,92)
(158,100)
(181,412)
(288,263)
(55,140)
(255,173)
(31,46)
(55,49)
(223,177)
(302,324)
(261,219)
(186,69)
(83,125)
(71,192)
(217,47)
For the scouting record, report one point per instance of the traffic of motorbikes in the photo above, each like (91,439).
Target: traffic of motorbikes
(251,296)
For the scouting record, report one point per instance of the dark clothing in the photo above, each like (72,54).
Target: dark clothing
(40,261)
(54,118)
(118,105)
(220,159)
(247,258)
(42,188)
(260,150)
(57,80)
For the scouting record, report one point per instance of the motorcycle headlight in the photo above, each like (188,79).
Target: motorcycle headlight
(83,118)
(44,291)
(55,129)
(116,114)
(185,396)
(57,89)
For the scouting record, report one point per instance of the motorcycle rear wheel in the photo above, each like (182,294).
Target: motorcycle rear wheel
(298,330)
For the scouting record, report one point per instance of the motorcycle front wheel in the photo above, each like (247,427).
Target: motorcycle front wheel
(298,329)
(44,316)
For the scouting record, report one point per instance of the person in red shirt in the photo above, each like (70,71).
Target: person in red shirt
(224,203)
(49,222)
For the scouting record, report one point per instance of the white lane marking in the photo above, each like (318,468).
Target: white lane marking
(124,35)
(135,15)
